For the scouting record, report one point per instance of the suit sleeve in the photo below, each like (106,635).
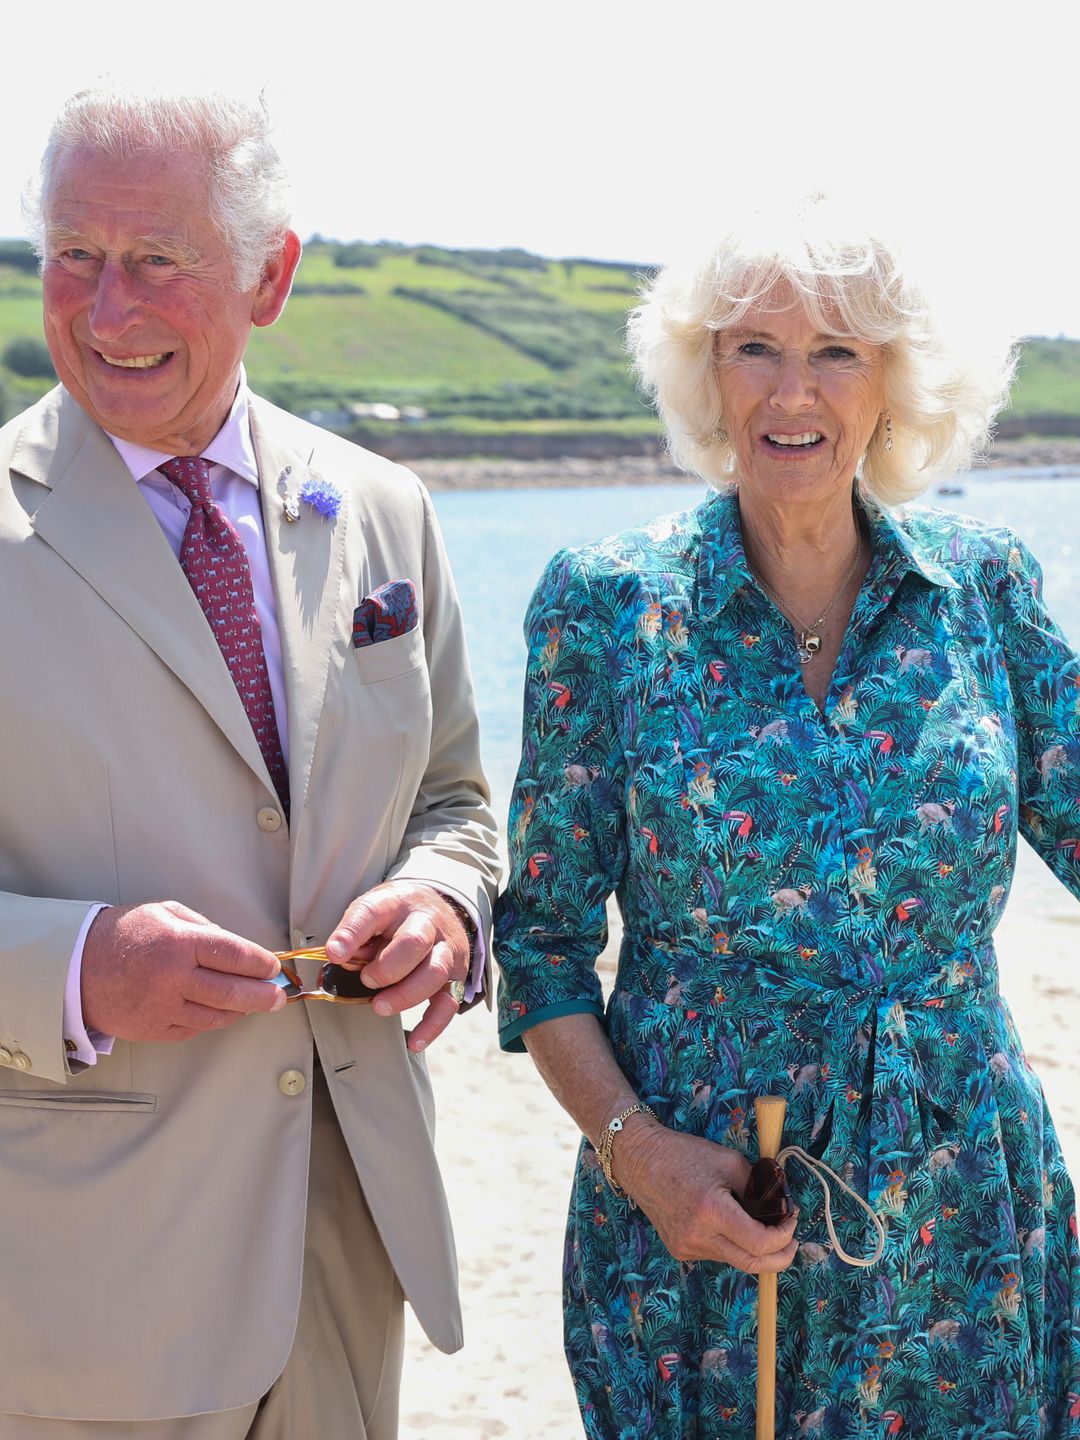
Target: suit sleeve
(450,839)
(567,836)
(39,937)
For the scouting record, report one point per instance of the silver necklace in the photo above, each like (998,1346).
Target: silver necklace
(807,637)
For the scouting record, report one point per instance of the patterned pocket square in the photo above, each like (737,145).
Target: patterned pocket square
(385,613)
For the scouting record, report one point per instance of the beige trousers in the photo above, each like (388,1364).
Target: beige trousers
(341,1380)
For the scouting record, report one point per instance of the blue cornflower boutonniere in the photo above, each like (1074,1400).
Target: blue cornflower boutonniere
(322,496)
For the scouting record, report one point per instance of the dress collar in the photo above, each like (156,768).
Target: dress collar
(723,570)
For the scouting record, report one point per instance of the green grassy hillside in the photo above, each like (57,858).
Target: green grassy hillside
(481,341)
(1048,381)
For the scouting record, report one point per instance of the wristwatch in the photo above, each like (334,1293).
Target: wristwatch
(468,923)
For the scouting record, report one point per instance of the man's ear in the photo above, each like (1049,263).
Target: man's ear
(273,289)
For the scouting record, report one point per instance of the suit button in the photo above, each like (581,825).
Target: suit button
(299,940)
(268,819)
(5,1055)
(20,1061)
(291,1082)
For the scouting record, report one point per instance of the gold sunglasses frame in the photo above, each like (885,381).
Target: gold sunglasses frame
(324,991)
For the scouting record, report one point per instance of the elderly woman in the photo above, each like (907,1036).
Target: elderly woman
(795,730)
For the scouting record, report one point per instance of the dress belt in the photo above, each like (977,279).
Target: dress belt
(872,1070)
(869,1070)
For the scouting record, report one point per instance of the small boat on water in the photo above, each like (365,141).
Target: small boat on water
(950,489)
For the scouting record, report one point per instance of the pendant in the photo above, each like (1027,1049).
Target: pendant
(809,643)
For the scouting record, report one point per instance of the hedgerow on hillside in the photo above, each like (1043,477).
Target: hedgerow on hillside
(471,338)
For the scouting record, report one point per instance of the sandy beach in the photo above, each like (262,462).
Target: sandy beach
(507,1149)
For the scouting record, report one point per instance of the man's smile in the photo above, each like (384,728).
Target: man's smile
(136,362)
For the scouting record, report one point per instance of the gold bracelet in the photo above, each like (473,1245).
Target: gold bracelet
(607,1140)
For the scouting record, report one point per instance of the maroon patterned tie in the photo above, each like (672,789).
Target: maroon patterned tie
(213,559)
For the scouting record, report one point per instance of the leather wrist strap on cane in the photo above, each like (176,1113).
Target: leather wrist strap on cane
(820,1170)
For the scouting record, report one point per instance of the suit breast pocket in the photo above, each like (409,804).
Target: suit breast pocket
(390,658)
(376,736)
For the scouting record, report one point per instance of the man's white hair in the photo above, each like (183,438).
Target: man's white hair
(246,180)
(944,379)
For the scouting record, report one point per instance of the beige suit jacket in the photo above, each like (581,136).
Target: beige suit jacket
(154,1205)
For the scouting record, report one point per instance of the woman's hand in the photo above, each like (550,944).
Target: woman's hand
(687,1187)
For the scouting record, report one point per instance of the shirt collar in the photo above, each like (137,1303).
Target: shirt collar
(230,447)
(723,570)
(899,550)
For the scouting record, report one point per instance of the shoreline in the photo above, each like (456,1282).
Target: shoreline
(574,471)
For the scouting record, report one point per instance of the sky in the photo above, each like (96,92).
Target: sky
(625,130)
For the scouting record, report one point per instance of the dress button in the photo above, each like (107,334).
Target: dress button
(291,1082)
(20,1061)
(268,819)
(5,1055)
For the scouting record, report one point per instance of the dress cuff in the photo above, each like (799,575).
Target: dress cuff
(510,1035)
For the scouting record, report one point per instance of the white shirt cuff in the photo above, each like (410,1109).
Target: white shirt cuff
(474,985)
(83,1046)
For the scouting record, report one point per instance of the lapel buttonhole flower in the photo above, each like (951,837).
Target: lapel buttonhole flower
(321,496)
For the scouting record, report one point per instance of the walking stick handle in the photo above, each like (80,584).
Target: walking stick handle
(769,1113)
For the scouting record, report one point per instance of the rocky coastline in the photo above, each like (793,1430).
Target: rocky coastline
(494,473)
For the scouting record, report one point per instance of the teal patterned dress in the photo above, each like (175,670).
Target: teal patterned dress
(808,902)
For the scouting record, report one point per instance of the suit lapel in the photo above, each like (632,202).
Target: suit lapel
(96,519)
(306,559)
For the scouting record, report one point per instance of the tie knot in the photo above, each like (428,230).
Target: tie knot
(190,474)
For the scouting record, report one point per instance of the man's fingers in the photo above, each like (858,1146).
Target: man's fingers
(190,1015)
(231,955)
(414,942)
(365,954)
(238,993)
(379,912)
(419,983)
(440,1011)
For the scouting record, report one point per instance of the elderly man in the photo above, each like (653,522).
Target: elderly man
(237,719)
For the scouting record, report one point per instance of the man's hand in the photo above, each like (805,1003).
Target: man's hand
(163,972)
(406,937)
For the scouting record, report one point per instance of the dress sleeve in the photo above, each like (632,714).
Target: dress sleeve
(1044,679)
(566,835)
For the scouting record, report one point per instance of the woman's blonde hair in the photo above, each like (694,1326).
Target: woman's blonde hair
(944,379)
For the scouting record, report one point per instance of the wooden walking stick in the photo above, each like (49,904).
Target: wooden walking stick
(769,1112)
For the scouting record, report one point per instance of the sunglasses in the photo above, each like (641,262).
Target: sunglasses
(767,1198)
(335,983)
